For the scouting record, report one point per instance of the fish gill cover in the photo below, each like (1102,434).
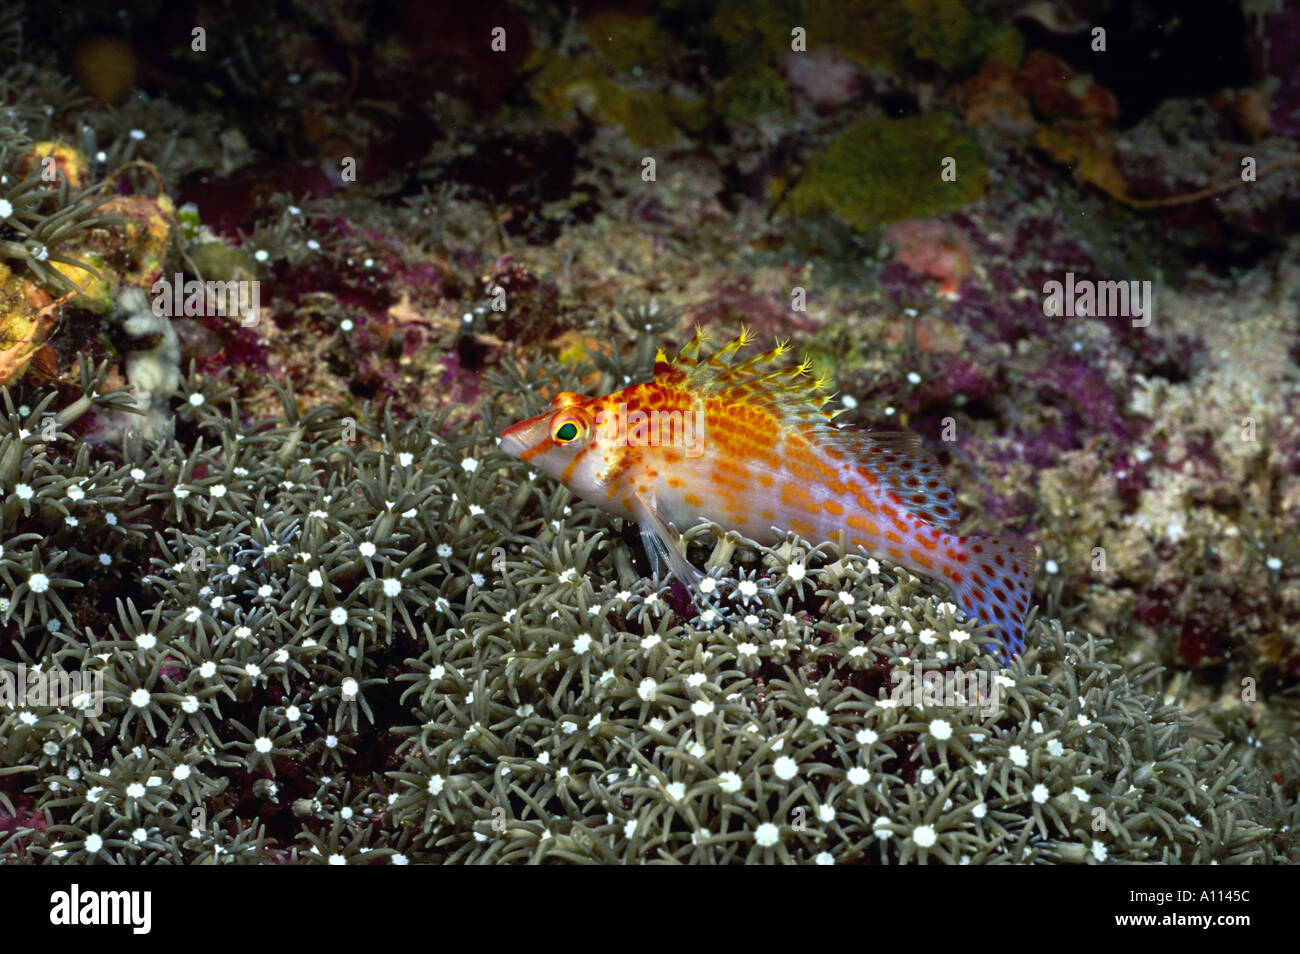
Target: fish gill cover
(274,278)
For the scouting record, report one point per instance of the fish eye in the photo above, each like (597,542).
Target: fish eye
(567,429)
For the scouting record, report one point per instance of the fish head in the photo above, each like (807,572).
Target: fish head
(564,441)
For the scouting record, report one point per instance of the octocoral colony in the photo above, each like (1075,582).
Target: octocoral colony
(272,590)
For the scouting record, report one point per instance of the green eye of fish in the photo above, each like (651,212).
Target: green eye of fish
(565,433)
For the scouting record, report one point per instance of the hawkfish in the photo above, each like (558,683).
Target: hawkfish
(749,445)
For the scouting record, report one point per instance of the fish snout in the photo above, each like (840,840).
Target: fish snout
(511,441)
(516,439)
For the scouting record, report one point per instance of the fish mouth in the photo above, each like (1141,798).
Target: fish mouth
(512,440)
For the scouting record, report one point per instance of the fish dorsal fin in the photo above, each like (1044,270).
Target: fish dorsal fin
(793,396)
(899,461)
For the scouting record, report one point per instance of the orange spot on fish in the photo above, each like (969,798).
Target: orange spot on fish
(857,523)
(867,475)
(792,495)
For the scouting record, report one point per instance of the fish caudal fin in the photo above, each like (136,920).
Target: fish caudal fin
(995,585)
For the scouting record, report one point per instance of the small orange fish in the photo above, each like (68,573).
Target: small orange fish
(748,446)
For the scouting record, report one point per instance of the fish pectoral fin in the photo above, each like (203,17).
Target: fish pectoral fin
(652,548)
(662,543)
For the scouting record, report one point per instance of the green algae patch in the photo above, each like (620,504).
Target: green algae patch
(754,29)
(754,92)
(652,118)
(625,42)
(561,85)
(868,31)
(98,287)
(945,33)
(887,170)
(883,33)
(217,261)
(1007,47)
